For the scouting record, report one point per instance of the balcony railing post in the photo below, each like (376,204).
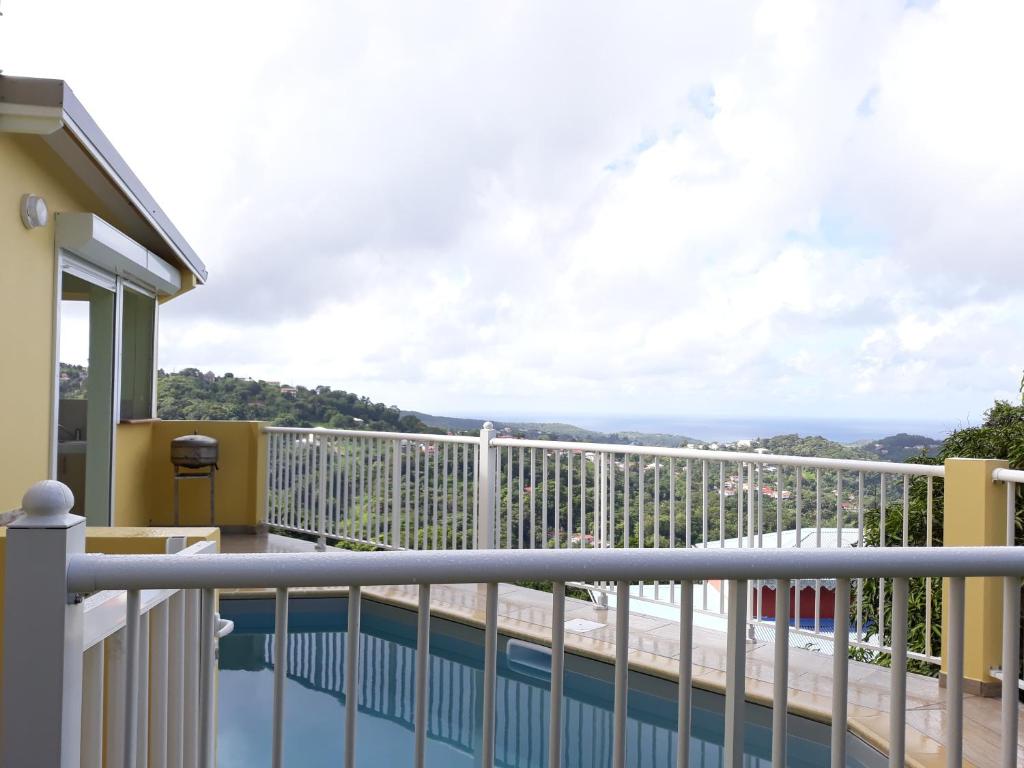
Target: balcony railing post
(484,523)
(43,626)
(321,496)
(396,494)
(975,515)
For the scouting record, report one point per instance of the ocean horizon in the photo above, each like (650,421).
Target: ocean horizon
(730,429)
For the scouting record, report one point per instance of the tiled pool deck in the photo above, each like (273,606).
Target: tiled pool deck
(654,649)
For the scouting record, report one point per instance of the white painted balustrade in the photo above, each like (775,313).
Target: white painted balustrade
(146,656)
(415,491)
(47,619)
(1010,673)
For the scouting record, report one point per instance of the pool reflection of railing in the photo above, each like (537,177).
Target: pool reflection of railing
(316,661)
(387,690)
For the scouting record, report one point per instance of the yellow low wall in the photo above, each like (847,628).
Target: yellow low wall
(144,476)
(132,492)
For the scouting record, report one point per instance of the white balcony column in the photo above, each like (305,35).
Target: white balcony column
(43,633)
(484,523)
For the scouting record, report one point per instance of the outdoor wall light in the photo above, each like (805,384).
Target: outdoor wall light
(33,211)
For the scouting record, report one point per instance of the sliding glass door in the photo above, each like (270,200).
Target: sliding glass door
(106,361)
(85,407)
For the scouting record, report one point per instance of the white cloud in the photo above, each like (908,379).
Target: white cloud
(786,208)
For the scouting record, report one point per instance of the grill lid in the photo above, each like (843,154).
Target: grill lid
(194,451)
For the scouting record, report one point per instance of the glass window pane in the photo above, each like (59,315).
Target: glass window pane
(137,355)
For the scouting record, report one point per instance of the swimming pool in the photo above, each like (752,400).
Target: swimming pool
(315,707)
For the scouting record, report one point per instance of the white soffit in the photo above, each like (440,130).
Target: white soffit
(30,118)
(91,238)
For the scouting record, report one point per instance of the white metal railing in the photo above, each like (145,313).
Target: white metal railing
(1012,669)
(85,573)
(138,666)
(388,490)
(411,491)
(150,651)
(610,496)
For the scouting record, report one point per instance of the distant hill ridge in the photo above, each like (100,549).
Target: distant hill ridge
(893,448)
(536,430)
(194,394)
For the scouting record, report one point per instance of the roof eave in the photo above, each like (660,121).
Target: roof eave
(38,92)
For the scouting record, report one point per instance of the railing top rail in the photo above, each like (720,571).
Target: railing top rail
(414,436)
(853,465)
(105,611)
(87,573)
(1008,475)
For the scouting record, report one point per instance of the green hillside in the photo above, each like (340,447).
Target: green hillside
(192,394)
(903,446)
(538,430)
(196,395)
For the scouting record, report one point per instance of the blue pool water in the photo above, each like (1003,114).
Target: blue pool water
(315,703)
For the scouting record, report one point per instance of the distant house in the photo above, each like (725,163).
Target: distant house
(289,391)
(763,595)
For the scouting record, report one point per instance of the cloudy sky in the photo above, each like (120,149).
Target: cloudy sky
(779,208)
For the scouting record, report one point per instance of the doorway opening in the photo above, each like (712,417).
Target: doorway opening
(85,408)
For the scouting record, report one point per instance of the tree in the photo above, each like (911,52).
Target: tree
(1000,436)
(194,395)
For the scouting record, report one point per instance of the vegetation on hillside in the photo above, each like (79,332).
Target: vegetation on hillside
(74,380)
(538,430)
(814,445)
(1000,436)
(903,446)
(194,395)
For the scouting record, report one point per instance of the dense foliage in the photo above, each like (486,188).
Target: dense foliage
(922,592)
(902,446)
(74,381)
(795,445)
(194,395)
(1000,436)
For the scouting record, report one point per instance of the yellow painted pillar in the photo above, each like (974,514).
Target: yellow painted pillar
(260,475)
(975,515)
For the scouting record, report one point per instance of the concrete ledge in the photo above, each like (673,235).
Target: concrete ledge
(242,530)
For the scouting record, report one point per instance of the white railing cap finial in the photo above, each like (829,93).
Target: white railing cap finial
(488,425)
(47,504)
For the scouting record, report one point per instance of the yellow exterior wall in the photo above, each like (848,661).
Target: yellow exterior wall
(27,287)
(974,515)
(27,304)
(144,490)
(132,467)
